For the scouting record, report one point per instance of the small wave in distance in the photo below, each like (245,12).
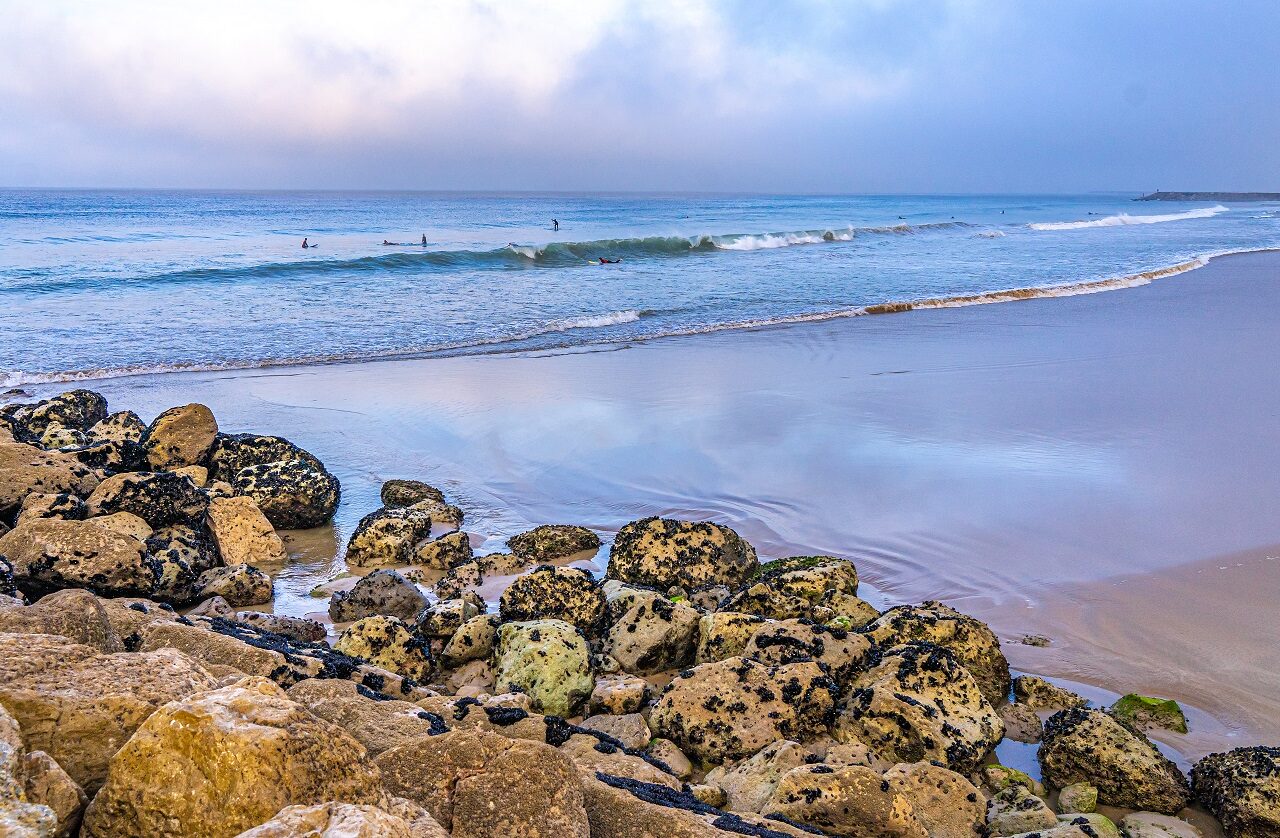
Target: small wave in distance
(1124,219)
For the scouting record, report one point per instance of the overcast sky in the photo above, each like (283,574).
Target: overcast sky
(758,95)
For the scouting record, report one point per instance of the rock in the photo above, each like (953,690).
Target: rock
(181,436)
(618,694)
(46,784)
(19,816)
(548,660)
(443,552)
(749,784)
(630,729)
(663,552)
(1146,713)
(971,641)
(441,514)
(387,536)
(1242,789)
(300,629)
(233,452)
(465,780)
(553,541)
(945,803)
(198,475)
(852,800)
(184,544)
(74,614)
(387,642)
(25,469)
(343,820)
(1021,724)
(471,679)
(56,436)
(1074,825)
(243,534)
(381,592)
(293,494)
(176,583)
(1015,810)
(920,703)
(555,593)
(49,554)
(79,705)
(121,427)
(8,585)
(214,606)
(1080,798)
(219,762)
(1082,745)
(377,725)
(653,635)
(1000,777)
(159,498)
(732,708)
(724,634)
(409,492)
(1039,694)
(79,409)
(125,523)
(460,579)
(240,584)
(1151,825)
(63,505)
(792,641)
(670,755)
(443,619)
(474,640)
(821,588)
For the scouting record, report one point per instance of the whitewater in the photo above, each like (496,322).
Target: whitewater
(102,283)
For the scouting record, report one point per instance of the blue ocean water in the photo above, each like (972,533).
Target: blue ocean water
(102,283)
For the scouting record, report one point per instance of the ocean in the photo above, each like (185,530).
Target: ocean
(98,284)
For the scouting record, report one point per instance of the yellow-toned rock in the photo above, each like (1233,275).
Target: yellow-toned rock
(181,436)
(243,534)
(344,820)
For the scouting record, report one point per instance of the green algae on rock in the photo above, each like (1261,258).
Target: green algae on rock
(1145,712)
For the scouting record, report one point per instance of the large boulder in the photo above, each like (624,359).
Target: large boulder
(945,803)
(549,661)
(160,498)
(121,427)
(1083,745)
(555,593)
(233,452)
(381,592)
(181,436)
(478,784)
(474,640)
(222,761)
(662,552)
(732,708)
(240,584)
(389,643)
(293,494)
(79,705)
(553,541)
(444,552)
(388,536)
(970,640)
(821,588)
(25,469)
(62,505)
(725,634)
(74,614)
(77,409)
(49,554)
(919,703)
(748,784)
(47,784)
(792,641)
(409,492)
(243,534)
(378,725)
(344,820)
(851,800)
(189,545)
(652,634)
(1242,788)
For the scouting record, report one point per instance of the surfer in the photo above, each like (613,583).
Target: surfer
(386,243)
(304,244)
(424,239)
(555,224)
(604,261)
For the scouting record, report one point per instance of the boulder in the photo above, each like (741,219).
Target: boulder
(300,629)
(662,553)
(409,492)
(618,694)
(443,552)
(20,816)
(159,498)
(243,534)
(970,640)
(670,755)
(181,436)
(1145,713)
(1015,811)
(653,635)
(25,469)
(920,703)
(1021,724)
(377,725)
(442,620)
(381,592)
(74,614)
(474,640)
(851,800)
(548,660)
(125,523)
(821,588)
(749,783)
(62,505)
(293,494)
(214,606)
(553,541)
(1039,694)
(387,537)
(387,642)
(240,584)
(630,729)
(1083,745)
(793,641)
(1151,825)
(233,452)
(1080,798)
(222,761)
(46,784)
(79,705)
(724,634)
(732,708)
(49,554)
(188,545)
(344,820)
(945,803)
(555,593)
(478,784)
(79,409)
(57,436)
(121,427)
(1242,788)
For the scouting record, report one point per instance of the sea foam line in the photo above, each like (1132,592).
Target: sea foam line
(1124,219)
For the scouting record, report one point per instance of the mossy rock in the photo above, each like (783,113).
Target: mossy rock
(1145,712)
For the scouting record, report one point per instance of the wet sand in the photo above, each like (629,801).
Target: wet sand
(1090,468)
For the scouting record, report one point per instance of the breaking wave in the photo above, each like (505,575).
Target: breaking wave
(1124,219)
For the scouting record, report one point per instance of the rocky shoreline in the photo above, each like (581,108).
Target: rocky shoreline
(693,691)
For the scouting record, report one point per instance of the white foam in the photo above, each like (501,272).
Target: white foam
(596,321)
(1124,219)
(769,241)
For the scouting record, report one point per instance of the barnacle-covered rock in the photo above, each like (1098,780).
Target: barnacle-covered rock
(792,641)
(443,552)
(1242,788)
(381,592)
(409,492)
(851,800)
(388,536)
(78,409)
(548,660)
(724,634)
(662,552)
(181,436)
(553,541)
(294,494)
(160,498)
(474,640)
(25,469)
(1039,694)
(555,593)
(389,643)
(240,584)
(243,534)
(653,634)
(62,505)
(49,554)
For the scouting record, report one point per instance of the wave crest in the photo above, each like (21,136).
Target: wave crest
(1124,219)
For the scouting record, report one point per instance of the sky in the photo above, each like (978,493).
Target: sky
(653,95)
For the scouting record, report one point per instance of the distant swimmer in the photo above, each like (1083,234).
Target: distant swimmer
(305,245)
(386,243)
(555,224)
(604,261)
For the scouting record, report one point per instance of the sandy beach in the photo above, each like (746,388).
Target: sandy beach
(1099,469)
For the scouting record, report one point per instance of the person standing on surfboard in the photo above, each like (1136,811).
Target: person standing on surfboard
(555,224)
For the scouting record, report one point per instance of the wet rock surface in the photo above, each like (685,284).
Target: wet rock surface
(555,593)
(553,541)
(662,552)
(1242,788)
